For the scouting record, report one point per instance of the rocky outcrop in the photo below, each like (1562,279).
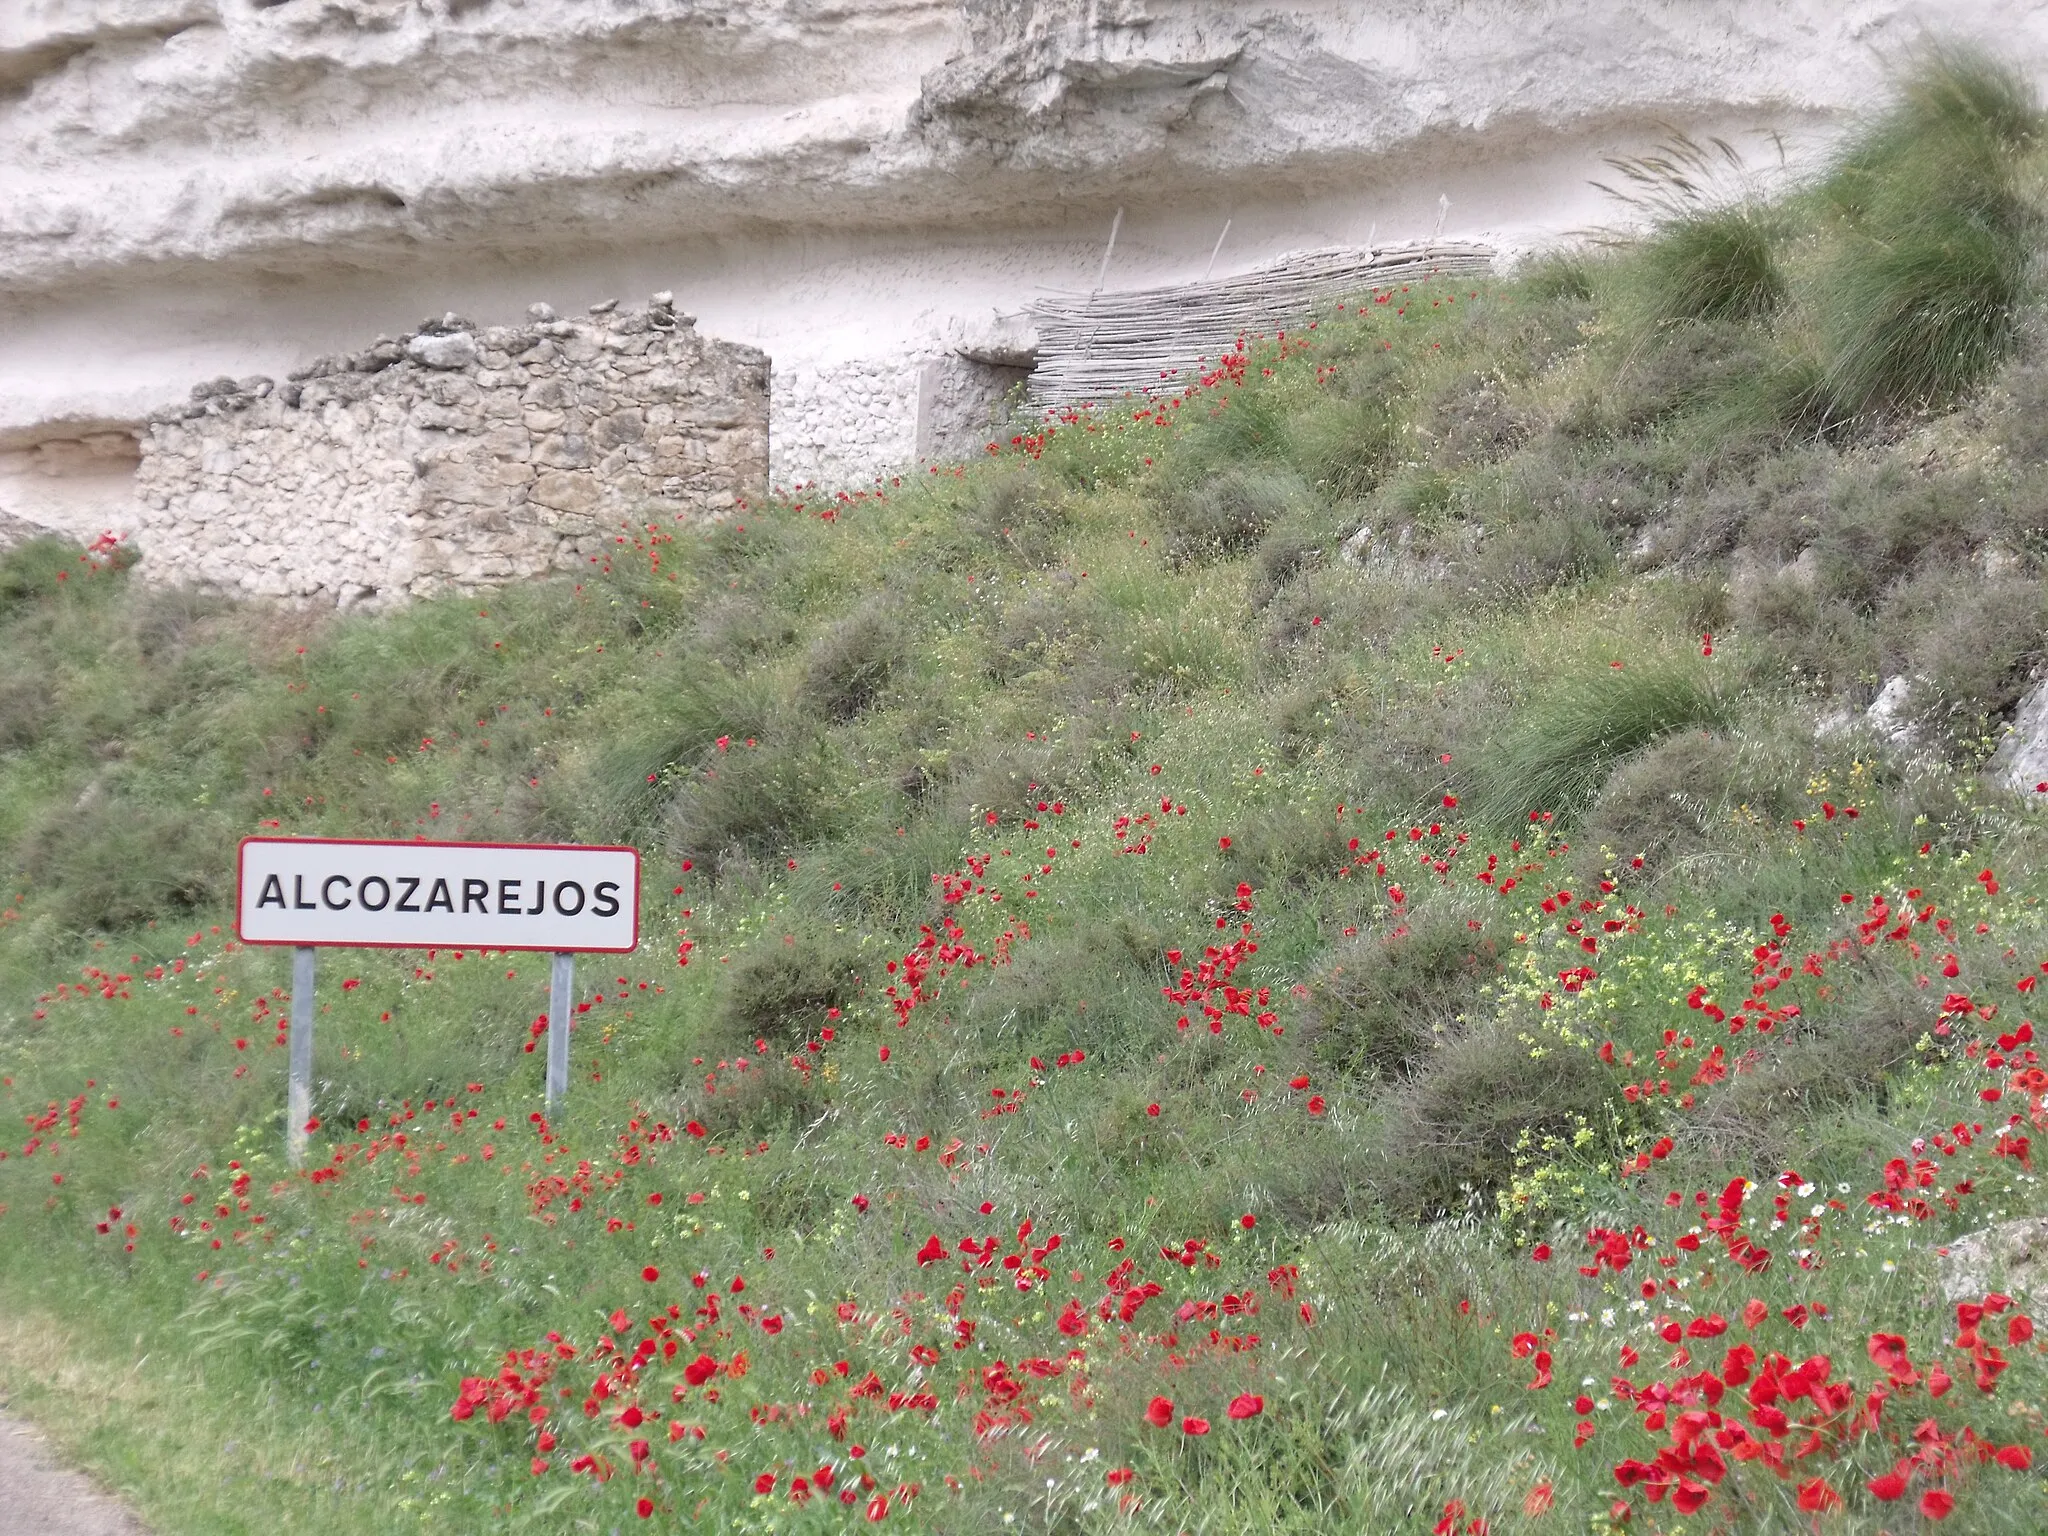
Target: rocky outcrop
(452,458)
(198,188)
(2011,1257)
(2021,761)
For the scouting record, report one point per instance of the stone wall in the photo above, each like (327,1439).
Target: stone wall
(845,424)
(453,457)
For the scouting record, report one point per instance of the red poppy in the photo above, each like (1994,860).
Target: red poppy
(1888,1486)
(1816,1496)
(1159,1412)
(1246,1405)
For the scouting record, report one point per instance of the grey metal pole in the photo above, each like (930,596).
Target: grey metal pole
(561,996)
(298,1102)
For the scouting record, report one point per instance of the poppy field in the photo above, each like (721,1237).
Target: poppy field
(1330,948)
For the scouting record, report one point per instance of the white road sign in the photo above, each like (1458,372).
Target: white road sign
(412,895)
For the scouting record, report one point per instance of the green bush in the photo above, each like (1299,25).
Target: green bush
(1778,1113)
(1800,631)
(1529,557)
(1048,630)
(848,665)
(755,802)
(32,569)
(28,697)
(1344,441)
(735,630)
(1980,653)
(782,989)
(1672,799)
(1882,524)
(1383,1004)
(115,862)
(1449,1136)
(1229,513)
(1014,511)
(1289,548)
(1561,275)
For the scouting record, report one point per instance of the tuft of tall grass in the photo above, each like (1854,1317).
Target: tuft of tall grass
(1561,746)
(1715,264)
(1710,256)
(1921,297)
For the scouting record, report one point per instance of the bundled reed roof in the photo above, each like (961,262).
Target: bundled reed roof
(1102,346)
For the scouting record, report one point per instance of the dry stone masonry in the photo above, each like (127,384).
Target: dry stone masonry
(452,458)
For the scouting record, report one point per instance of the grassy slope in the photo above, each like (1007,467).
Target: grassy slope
(1119,678)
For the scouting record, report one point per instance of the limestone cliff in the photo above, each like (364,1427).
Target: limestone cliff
(191,188)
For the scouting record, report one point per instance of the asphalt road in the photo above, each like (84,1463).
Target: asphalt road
(41,1497)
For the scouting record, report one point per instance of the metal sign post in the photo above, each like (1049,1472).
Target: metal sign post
(298,1097)
(553,898)
(561,997)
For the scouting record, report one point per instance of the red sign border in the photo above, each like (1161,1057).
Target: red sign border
(241,852)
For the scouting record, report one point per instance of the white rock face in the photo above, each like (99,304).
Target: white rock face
(2021,761)
(193,188)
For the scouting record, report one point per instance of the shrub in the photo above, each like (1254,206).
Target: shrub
(1228,513)
(614,788)
(1827,1061)
(115,862)
(1558,751)
(1383,1004)
(1289,548)
(782,988)
(1668,801)
(1881,524)
(28,696)
(1978,656)
(1343,442)
(757,801)
(1046,630)
(1562,275)
(1450,1133)
(736,630)
(1012,510)
(1285,844)
(1699,367)
(765,1096)
(168,619)
(1476,420)
(848,665)
(1538,553)
(1919,318)
(1798,629)
(993,774)
(30,570)
(1775,507)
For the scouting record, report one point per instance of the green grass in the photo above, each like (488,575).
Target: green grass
(1126,714)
